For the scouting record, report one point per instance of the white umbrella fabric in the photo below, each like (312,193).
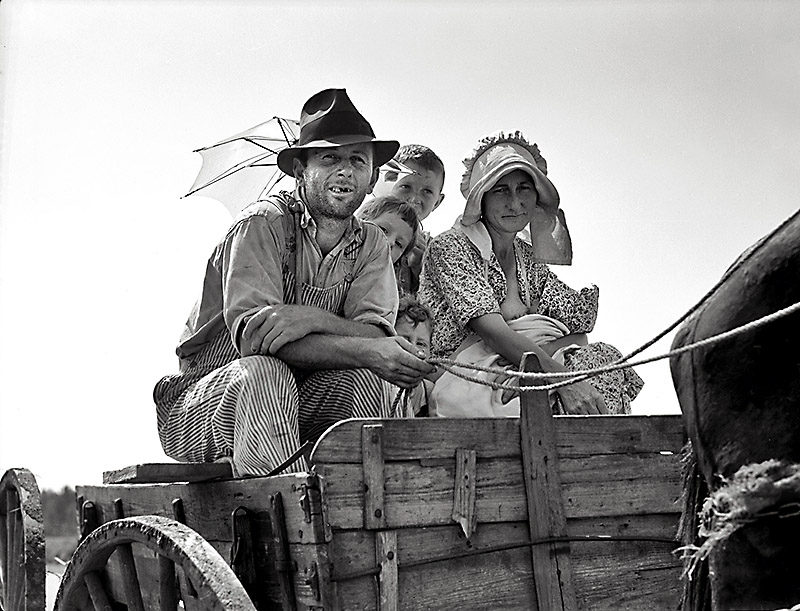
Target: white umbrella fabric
(242,168)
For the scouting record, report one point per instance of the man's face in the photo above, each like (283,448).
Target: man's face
(336,180)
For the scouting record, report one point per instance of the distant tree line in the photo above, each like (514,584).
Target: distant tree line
(60,513)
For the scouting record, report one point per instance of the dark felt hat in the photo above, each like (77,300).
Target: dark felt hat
(329,119)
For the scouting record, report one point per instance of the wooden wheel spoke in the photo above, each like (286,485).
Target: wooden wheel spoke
(168,585)
(97,592)
(130,579)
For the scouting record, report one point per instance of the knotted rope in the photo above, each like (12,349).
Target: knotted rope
(770,489)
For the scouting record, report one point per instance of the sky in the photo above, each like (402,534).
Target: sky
(671,131)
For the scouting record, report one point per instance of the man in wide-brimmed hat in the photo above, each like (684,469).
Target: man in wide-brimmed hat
(294,327)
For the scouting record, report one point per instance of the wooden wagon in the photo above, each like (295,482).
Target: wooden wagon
(541,512)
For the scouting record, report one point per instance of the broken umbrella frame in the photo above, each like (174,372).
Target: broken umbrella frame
(242,168)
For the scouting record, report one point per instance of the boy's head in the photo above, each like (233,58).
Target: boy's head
(397,219)
(415,324)
(423,189)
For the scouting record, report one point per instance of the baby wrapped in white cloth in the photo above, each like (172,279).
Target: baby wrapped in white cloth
(454,397)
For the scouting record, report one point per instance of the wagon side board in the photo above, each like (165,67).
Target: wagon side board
(620,481)
(434,516)
(208,508)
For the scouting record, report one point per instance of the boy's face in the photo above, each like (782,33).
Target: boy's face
(396,230)
(423,189)
(418,334)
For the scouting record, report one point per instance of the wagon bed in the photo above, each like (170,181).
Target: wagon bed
(541,512)
(382,520)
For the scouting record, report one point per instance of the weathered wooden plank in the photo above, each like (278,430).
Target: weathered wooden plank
(280,557)
(499,581)
(208,505)
(464,493)
(431,438)
(595,486)
(552,569)
(386,558)
(372,470)
(352,551)
(155,473)
(626,575)
(608,575)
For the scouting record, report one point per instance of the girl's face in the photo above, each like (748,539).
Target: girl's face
(396,230)
(510,204)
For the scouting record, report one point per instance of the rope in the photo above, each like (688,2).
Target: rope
(622,363)
(769,489)
(583,374)
(736,265)
(400,400)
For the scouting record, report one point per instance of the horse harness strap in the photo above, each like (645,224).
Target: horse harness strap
(297,213)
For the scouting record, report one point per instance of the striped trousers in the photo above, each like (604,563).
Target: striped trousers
(257,411)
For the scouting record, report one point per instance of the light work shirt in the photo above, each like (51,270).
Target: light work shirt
(254,267)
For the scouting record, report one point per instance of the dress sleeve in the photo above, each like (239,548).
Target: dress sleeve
(459,278)
(576,309)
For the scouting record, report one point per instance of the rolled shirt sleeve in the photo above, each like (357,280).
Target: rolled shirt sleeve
(252,267)
(254,258)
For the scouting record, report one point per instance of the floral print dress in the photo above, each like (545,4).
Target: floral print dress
(457,285)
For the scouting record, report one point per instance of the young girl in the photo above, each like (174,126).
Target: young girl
(414,323)
(400,224)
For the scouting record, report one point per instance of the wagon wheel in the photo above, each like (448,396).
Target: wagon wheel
(21,543)
(149,563)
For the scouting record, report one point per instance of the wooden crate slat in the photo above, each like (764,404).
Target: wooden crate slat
(208,505)
(372,472)
(417,495)
(353,551)
(626,576)
(430,438)
(501,582)
(154,473)
(387,558)
(608,575)
(464,493)
(552,568)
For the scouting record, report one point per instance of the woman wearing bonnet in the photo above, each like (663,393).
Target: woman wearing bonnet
(493,296)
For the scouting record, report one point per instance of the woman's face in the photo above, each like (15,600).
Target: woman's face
(510,204)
